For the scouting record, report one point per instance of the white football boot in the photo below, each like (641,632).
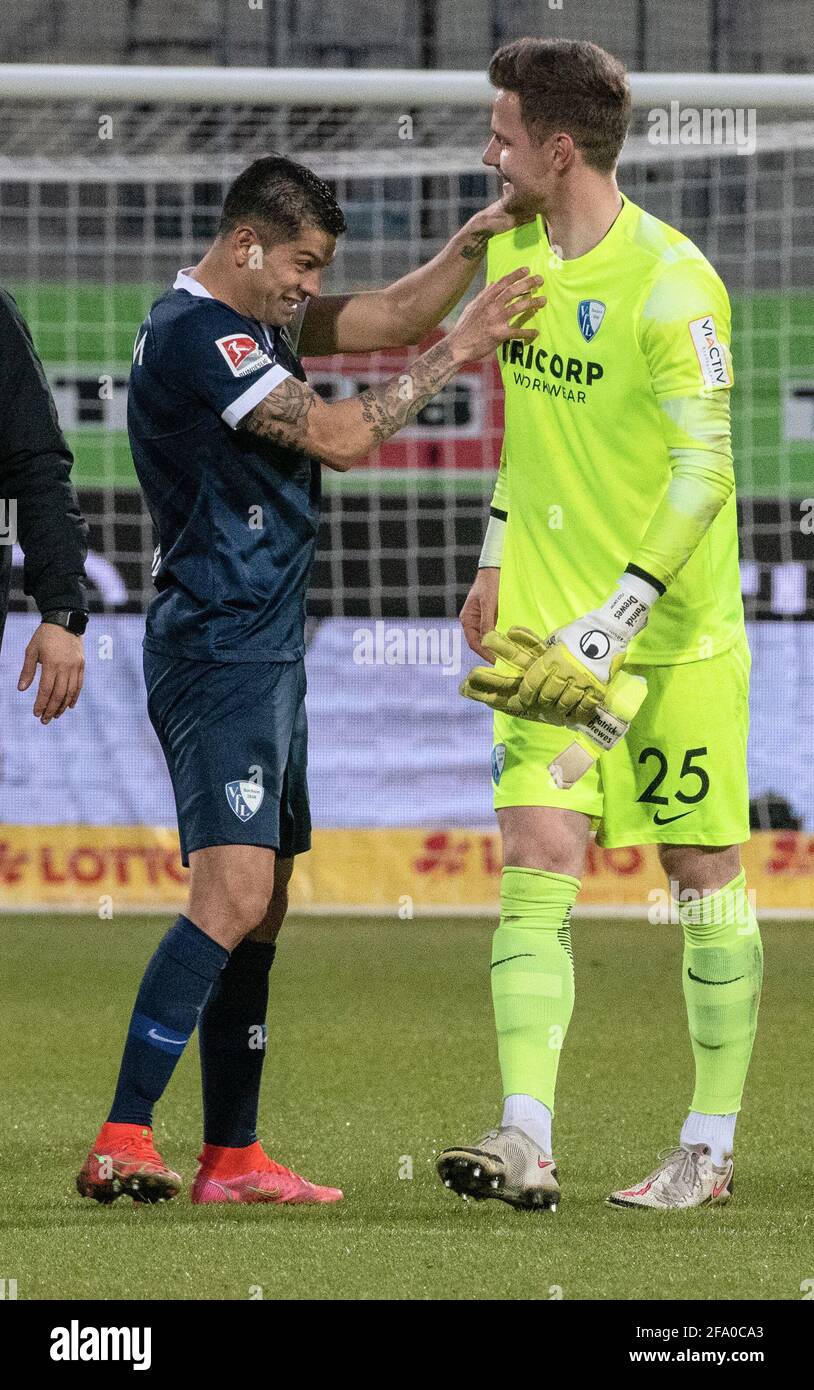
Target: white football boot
(686,1177)
(504,1163)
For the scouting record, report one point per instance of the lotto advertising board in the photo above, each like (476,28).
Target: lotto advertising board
(111,870)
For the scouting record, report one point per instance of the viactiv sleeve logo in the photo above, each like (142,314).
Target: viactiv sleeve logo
(710,352)
(243,354)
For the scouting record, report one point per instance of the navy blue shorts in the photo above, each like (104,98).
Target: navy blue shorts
(235,738)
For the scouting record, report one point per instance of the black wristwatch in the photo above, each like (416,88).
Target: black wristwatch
(72,619)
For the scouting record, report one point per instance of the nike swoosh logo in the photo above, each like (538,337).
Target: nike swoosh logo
(159,1038)
(699,981)
(545,1163)
(719,1187)
(657,820)
(519,956)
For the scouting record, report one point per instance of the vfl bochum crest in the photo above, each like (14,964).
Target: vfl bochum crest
(590,313)
(245,798)
(498,761)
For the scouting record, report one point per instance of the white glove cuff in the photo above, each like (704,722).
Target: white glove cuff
(641,587)
(626,613)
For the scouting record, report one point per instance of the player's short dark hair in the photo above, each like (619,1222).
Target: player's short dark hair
(570,85)
(282,197)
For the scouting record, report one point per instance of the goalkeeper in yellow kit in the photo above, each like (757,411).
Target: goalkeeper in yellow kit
(613,540)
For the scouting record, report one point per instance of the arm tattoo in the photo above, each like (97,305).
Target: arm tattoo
(387,408)
(282,415)
(475,246)
(362,422)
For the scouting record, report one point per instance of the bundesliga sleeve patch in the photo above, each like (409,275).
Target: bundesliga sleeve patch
(243,354)
(709,352)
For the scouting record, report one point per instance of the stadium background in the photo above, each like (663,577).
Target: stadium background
(103,198)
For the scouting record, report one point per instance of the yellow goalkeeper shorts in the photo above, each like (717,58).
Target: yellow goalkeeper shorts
(679,776)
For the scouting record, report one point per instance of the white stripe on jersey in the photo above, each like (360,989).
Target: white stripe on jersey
(234,413)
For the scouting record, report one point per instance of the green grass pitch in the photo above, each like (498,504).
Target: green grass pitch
(381,1052)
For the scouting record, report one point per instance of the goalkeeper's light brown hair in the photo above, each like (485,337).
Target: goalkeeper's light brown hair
(568,85)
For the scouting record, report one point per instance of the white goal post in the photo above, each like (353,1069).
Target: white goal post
(367,86)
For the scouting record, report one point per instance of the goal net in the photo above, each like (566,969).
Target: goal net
(110,184)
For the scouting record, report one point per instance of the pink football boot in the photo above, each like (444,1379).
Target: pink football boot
(249,1175)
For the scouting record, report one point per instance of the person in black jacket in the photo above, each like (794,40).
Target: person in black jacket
(38,501)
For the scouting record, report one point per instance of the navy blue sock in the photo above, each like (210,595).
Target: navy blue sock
(232,1036)
(174,989)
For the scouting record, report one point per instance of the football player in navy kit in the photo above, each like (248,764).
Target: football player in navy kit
(228,441)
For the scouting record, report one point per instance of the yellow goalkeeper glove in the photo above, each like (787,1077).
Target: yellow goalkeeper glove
(531,690)
(565,676)
(625,696)
(603,727)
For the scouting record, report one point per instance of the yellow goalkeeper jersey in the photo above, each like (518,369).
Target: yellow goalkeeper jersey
(628,377)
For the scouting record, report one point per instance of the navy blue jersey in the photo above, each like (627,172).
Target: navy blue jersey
(236,517)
